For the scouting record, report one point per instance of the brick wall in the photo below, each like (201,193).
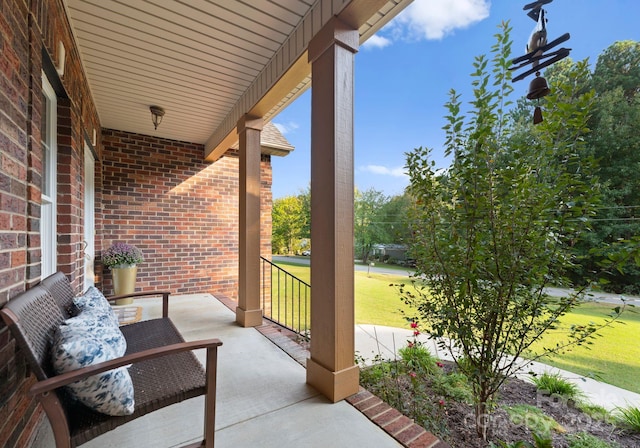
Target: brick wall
(16,168)
(181,211)
(14,144)
(29,29)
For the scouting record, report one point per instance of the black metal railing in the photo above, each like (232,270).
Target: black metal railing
(285,298)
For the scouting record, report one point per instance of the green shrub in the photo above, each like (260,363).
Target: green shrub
(586,440)
(534,419)
(595,411)
(465,366)
(518,444)
(419,359)
(455,386)
(628,418)
(554,384)
(378,377)
(381,379)
(387,380)
(539,442)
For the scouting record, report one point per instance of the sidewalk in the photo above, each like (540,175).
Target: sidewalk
(372,340)
(597,296)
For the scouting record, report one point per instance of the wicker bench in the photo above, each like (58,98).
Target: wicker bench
(164,369)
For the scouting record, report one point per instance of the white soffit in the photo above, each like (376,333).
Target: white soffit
(200,60)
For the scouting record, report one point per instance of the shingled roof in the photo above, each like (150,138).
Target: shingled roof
(272,141)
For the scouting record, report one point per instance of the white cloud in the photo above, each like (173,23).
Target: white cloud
(385,171)
(434,19)
(376,41)
(285,128)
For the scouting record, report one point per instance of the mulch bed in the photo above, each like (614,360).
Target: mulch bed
(460,420)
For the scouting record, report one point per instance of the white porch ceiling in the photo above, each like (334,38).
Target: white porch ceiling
(197,59)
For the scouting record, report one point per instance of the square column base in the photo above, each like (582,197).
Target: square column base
(248,318)
(335,386)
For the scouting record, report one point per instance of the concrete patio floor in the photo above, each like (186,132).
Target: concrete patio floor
(263,399)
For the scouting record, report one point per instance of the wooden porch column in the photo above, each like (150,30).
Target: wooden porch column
(248,312)
(331,368)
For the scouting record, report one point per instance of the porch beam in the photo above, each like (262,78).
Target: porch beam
(248,312)
(287,74)
(331,368)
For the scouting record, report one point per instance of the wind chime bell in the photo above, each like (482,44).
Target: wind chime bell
(538,56)
(538,89)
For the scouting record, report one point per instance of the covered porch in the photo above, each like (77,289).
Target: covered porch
(86,167)
(221,71)
(262,397)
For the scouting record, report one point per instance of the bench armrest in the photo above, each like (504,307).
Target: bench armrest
(44,386)
(137,295)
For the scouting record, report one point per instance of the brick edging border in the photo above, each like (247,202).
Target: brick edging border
(393,422)
(404,430)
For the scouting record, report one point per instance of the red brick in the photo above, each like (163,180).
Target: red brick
(410,433)
(190,214)
(375,411)
(368,403)
(18,258)
(387,417)
(18,223)
(441,444)
(363,394)
(398,425)
(426,440)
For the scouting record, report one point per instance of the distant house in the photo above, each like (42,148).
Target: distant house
(397,252)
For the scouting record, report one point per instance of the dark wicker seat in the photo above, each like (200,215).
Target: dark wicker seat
(165,371)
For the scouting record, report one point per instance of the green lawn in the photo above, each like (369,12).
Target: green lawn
(287,312)
(376,302)
(613,358)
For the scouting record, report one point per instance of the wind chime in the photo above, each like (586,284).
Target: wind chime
(535,56)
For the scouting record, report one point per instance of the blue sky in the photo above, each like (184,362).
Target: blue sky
(404,73)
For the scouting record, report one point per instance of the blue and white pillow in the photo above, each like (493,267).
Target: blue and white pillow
(93,299)
(100,324)
(110,392)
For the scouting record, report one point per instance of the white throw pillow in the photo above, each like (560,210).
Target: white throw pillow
(101,326)
(93,299)
(81,344)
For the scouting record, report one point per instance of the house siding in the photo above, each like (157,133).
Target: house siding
(158,194)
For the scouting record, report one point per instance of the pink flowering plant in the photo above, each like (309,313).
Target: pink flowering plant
(414,382)
(415,355)
(121,255)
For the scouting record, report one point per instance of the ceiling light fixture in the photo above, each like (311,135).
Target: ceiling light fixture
(157,113)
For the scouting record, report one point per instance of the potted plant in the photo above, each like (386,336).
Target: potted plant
(123,260)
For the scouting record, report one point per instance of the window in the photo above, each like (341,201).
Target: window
(48,216)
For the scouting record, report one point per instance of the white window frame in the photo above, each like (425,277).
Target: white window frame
(89,217)
(48,207)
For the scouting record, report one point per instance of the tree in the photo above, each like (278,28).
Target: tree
(368,227)
(616,144)
(305,200)
(289,221)
(394,220)
(498,226)
(619,67)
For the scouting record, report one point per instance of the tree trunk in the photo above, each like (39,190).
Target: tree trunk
(483,419)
